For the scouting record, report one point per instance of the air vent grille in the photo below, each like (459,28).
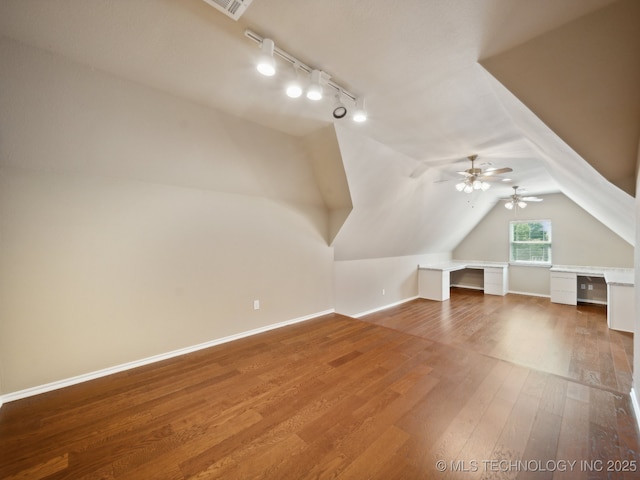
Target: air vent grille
(231,8)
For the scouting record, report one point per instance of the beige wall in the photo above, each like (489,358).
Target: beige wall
(133,223)
(358,284)
(578,239)
(581,79)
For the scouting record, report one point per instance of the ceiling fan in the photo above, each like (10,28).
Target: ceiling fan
(476,178)
(516,201)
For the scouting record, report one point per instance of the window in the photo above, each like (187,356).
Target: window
(530,242)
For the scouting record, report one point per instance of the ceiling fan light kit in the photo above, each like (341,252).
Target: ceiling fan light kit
(478,179)
(318,79)
(516,201)
(468,186)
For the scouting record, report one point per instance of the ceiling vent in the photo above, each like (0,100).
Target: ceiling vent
(231,8)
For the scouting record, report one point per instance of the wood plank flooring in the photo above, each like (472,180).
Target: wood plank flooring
(572,342)
(476,387)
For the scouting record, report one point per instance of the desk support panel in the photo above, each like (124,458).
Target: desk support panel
(433,284)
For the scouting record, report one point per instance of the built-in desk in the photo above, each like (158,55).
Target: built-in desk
(434,281)
(620,298)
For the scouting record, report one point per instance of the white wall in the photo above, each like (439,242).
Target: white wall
(133,223)
(635,396)
(577,239)
(395,214)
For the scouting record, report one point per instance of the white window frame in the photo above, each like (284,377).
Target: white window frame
(548,242)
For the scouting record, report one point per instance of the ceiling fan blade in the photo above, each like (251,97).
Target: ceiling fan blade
(492,178)
(532,199)
(496,171)
(466,174)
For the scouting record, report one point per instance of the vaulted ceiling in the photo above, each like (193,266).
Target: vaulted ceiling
(550,88)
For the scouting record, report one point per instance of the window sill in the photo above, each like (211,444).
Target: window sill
(530,264)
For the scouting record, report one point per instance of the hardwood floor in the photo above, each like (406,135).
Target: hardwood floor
(479,386)
(572,342)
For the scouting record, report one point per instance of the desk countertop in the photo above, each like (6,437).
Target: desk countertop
(612,275)
(462,264)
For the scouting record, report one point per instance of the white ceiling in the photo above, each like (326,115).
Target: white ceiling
(416,62)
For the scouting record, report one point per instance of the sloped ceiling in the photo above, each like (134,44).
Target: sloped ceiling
(326,160)
(395,214)
(583,81)
(430,102)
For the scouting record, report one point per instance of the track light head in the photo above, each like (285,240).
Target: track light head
(314,92)
(294,87)
(360,115)
(294,90)
(339,110)
(266,63)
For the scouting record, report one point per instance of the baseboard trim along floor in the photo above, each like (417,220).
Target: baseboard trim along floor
(384,307)
(67,382)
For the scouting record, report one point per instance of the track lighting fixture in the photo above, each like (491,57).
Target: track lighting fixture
(314,91)
(318,79)
(266,63)
(360,115)
(294,88)
(339,110)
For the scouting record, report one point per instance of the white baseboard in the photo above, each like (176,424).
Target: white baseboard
(635,401)
(29,392)
(529,294)
(384,307)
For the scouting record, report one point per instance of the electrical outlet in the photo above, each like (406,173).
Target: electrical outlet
(256,304)
(590,287)
(582,286)
(383,291)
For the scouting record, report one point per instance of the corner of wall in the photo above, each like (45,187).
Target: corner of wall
(635,399)
(327,164)
(363,286)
